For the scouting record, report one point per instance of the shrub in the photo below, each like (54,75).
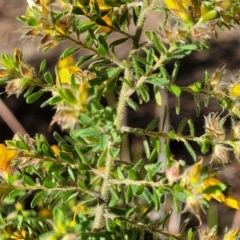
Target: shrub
(82,188)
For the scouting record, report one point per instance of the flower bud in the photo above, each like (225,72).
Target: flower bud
(214,126)
(236,131)
(172,173)
(210,15)
(193,205)
(220,153)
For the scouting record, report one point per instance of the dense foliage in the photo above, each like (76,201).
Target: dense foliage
(82,187)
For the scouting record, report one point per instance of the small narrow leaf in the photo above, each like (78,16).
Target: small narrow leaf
(42,67)
(156,200)
(191,127)
(197,105)
(146,147)
(65,158)
(49,184)
(69,51)
(37,198)
(34,97)
(175,70)
(190,150)
(28,180)
(48,78)
(158,97)
(175,90)
(153,124)
(67,95)
(129,194)
(182,125)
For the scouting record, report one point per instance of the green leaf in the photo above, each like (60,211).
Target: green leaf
(143,93)
(138,70)
(101,22)
(158,97)
(85,26)
(130,212)
(117,42)
(156,200)
(132,104)
(34,97)
(42,67)
(182,125)
(175,90)
(37,198)
(85,132)
(69,51)
(139,189)
(171,134)
(67,95)
(160,46)
(49,184)
(196,87)
(129,194)
(32,22)
(71,174)
(21,145)
(110,87)
(197,105)
(146,147)
(178,105)
(102,159)
(153,124)
(66,158)
(77,10)
(113,197)
(47,150)
(68,196)
(150,59)
(190,234)
(15,193)
(175,71)
(191,127)
(190,150)
(28,180)
(83,60)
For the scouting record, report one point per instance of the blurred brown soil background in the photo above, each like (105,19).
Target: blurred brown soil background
(223,51)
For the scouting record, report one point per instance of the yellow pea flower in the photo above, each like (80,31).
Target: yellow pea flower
(179,8)
(232,202)
(66,69)
(232,234)
(235,90)
(227,200)
(19,235)
(101,5)
(6,156)
(107,20)
(55,149)
(79,208)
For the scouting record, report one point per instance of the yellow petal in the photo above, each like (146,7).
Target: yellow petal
(235,91)
(107,20)
(232,234)
(101,5)
(66,62)
(232,202)
(55,149)
(179,8)
(194,175)
(6,156)
(219,196)
(211,182)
